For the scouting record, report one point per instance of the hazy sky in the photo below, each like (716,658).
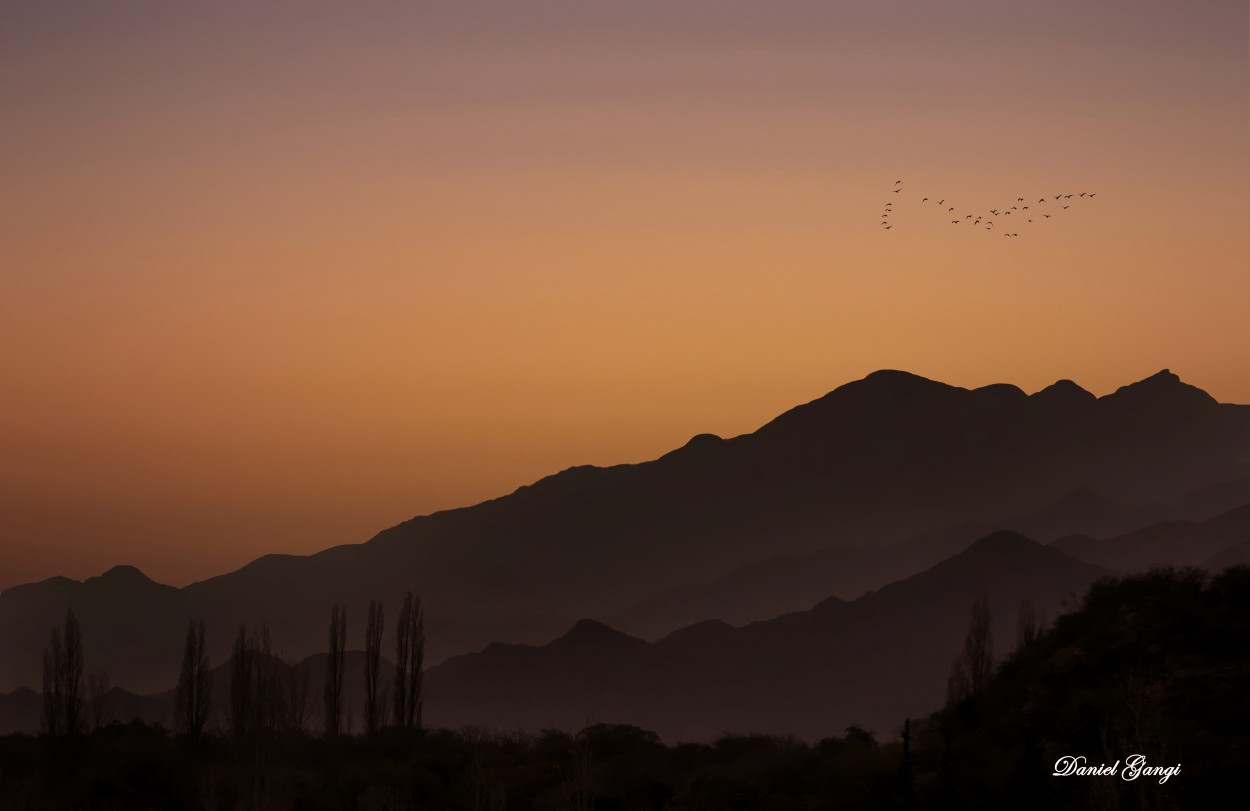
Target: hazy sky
(275,276)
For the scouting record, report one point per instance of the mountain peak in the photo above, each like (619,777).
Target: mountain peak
(1163,387)
(997,543)
(127,574)
(592,632)
(1064,393)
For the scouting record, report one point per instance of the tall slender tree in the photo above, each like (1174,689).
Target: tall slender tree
(52,656)
(72,675)
(63,680)
(403,652)
(97,697)
(193,698)
(241,684)
(410,664)
(373,667)
(971,672)
(416,664)
(334,671)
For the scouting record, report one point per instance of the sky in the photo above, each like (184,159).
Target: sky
(276,276)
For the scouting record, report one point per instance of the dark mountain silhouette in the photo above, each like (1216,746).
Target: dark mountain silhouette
(872,661)
(1169,543)
(1236,555)
(782,584)
(876,461)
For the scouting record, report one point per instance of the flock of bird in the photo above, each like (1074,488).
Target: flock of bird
(1022,211)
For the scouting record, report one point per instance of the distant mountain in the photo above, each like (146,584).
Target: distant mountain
(1169,543)
(876,461)
(872,661)
(781,584)
(1236,555)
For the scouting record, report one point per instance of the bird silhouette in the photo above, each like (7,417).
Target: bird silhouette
(940,202)
(888,227)
(1041,199)
(952,208)
(1047,216)
(924,200)
(954,222)
(896,191)
(897,182)
(1082,194)
(1019,199)
(1067,207)
(1067,197)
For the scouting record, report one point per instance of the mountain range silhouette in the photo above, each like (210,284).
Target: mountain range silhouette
(890,462)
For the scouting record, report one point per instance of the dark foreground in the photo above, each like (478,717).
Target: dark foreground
(1157,665)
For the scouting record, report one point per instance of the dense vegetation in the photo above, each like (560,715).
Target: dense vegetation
(1156,664)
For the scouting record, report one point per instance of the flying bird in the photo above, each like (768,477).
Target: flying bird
(1067,207)
(952,208)
(940,202)
(924,200)
(896,191)
(1047,216)
(897,182)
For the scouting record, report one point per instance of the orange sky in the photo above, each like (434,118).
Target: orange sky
(274,279)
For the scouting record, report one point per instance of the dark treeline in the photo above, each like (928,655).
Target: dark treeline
(1155,664)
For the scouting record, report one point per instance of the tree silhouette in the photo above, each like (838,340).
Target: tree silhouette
(373,663)
(193,698)
(1028,625)
(402,631)
(62,680)
(52,656)
(334,671)
(71,676)
(907,770)
(97,697)
(410,664)
(975,666)
(241,684)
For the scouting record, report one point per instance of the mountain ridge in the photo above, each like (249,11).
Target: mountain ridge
(873,462)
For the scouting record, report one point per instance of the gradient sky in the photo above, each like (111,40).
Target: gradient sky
(275,276)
